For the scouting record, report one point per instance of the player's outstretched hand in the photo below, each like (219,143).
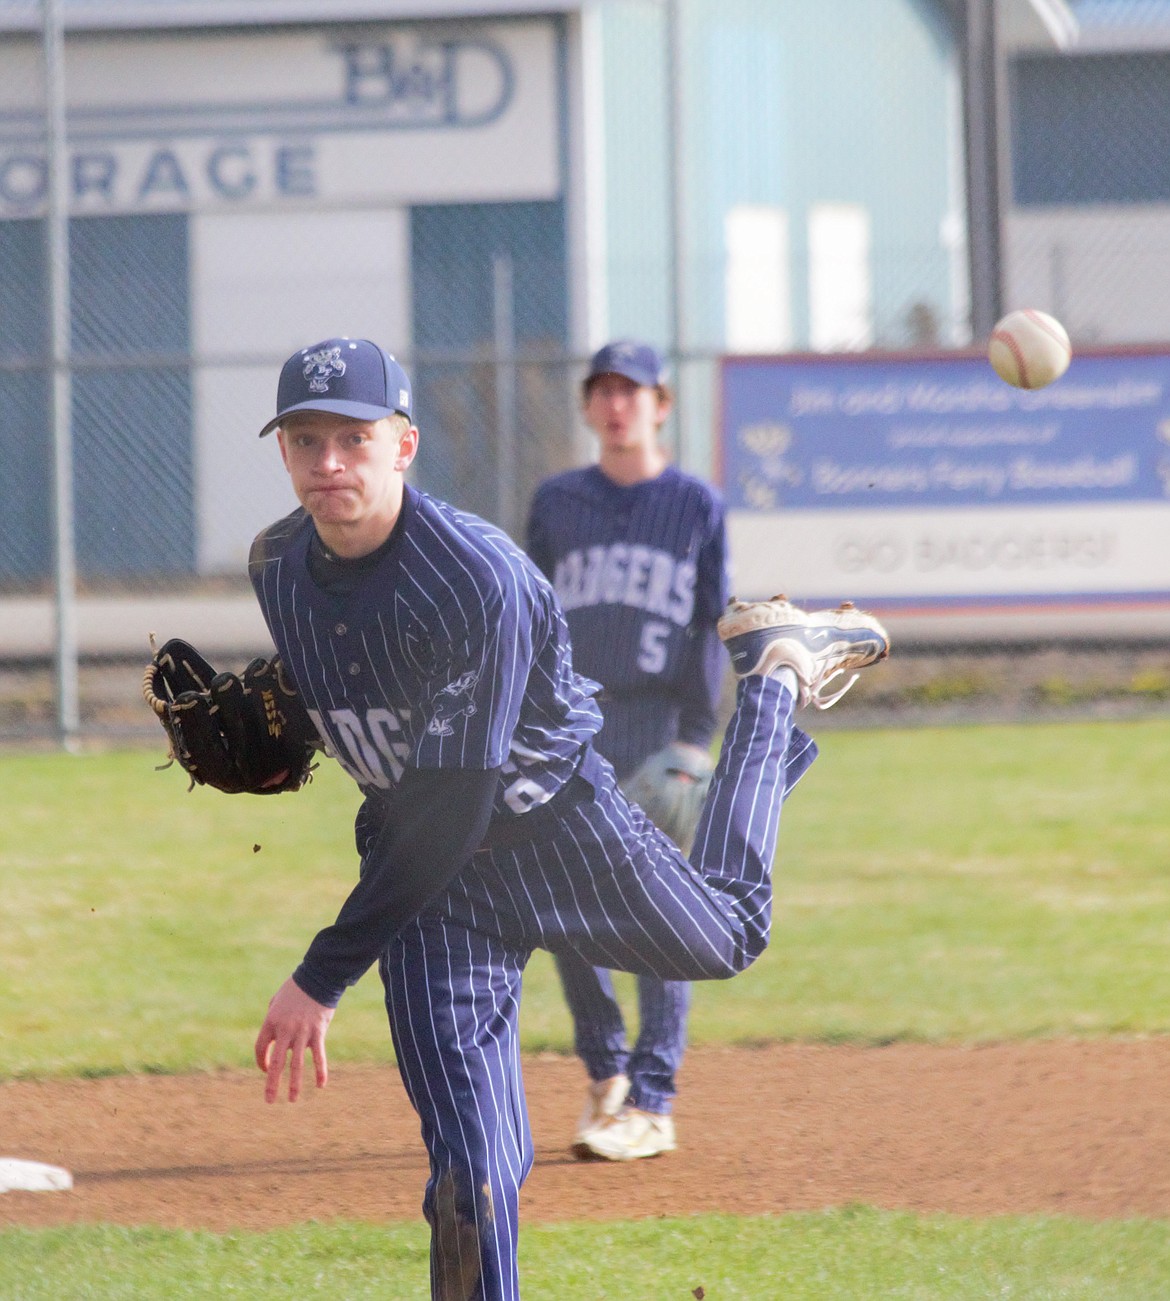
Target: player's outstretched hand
(295,1024)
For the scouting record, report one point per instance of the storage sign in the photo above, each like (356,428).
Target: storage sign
(338,115)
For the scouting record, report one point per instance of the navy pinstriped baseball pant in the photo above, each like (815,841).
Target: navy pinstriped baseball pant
(604,883)
(600,1030)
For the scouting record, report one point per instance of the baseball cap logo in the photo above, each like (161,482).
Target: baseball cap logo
(347,377)
(322,366)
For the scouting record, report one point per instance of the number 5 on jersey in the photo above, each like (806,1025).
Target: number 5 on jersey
(652,651)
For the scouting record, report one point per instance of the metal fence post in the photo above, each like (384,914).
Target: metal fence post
(675,108)
(504,346)
(981,115)
(61,389)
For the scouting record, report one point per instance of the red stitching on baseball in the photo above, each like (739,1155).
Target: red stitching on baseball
(1040,320)
(1009,342)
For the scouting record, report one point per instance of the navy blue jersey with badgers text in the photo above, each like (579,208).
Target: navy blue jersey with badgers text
(451,652)
(641,571)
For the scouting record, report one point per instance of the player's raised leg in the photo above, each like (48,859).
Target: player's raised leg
(782,656)
(764,755)
(608,885)
(452,997)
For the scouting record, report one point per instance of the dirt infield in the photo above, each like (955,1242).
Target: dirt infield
(1080,1128)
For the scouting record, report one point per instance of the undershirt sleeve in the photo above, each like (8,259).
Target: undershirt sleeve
(436,819)
(706,663)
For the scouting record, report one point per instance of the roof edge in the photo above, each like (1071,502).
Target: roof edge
(151,15)
(1059,21)
(1038,25)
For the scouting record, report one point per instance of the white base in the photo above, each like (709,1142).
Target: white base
(32,1177)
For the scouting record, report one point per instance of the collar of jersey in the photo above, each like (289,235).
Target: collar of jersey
(609,485)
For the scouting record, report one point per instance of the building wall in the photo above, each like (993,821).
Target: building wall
(389,178)
(238,193)
(1087,233)
(819,180)
(791,107)
(264,284)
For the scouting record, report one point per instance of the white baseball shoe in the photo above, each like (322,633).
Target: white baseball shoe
(818,646)
(631,1135)
(602,1102)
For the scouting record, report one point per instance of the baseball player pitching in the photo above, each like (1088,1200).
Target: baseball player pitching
(637,553)
(433,657)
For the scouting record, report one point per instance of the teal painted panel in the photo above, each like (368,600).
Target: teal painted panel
(791,104)
(845,101)
(637,172)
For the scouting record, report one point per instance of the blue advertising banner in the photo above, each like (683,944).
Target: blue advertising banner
(926,478)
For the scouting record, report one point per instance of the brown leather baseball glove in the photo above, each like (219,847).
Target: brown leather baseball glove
(249,733)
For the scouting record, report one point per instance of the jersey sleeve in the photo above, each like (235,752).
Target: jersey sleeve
(412,845)
(471,704)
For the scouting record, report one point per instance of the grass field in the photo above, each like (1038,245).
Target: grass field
(939,884)
(845,1255)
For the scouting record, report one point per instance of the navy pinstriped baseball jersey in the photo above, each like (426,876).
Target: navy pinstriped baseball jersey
(451,654)
(641,571)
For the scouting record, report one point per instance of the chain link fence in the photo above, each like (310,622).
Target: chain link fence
(170,483)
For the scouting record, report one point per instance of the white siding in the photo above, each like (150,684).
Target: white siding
(263,286)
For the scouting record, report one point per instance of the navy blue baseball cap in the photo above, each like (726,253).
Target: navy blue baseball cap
(636,361)
(348,377)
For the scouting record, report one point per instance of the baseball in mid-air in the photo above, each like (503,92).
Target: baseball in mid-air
(1029,349)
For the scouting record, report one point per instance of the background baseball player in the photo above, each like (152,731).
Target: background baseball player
(433,657)
(637,552)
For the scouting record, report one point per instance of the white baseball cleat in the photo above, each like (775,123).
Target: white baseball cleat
(603,1101)
(631,1135)
(818,646)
